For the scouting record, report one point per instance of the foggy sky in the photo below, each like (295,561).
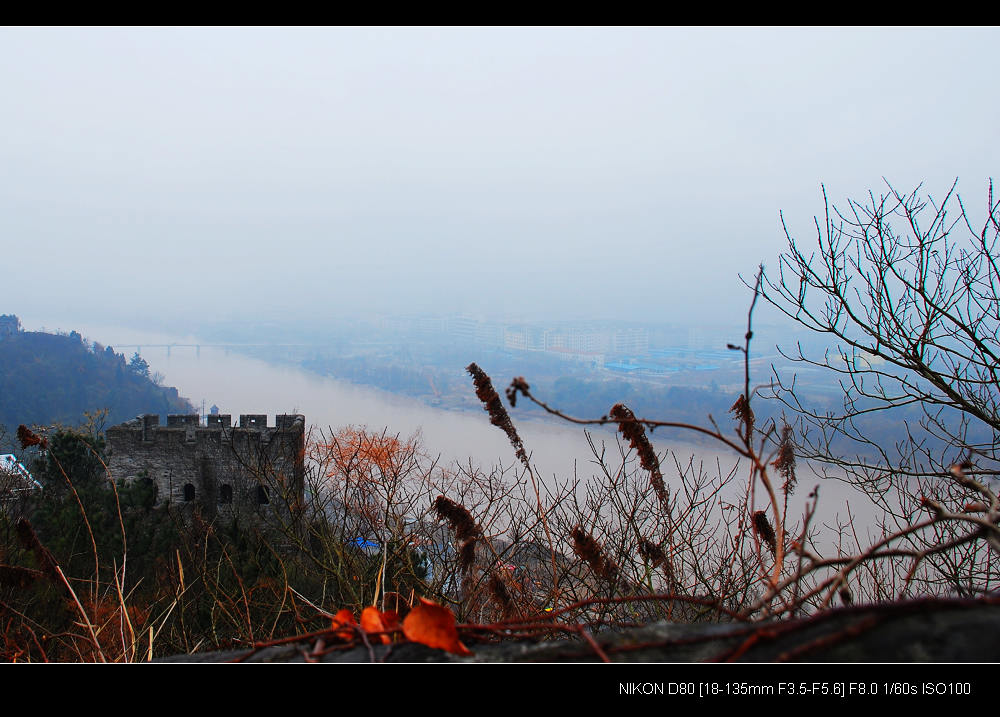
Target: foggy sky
(567,173)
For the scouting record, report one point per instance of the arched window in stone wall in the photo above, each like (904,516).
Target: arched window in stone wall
(150,485)
(225,494)
(262,497)
(188,492)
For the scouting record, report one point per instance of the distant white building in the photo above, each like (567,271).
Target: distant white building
(462,328)
(631,342)
(515,338)
(489,334)
(14,477)
(577,340)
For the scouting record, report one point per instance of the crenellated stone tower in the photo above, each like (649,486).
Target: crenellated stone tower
(219,468)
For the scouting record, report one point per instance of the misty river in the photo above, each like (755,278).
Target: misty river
(239,384)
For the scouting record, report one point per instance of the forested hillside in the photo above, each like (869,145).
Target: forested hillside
(51,378)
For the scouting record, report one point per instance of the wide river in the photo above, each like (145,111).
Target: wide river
(240,384)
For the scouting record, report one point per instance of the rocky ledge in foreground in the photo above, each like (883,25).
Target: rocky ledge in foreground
(927,630)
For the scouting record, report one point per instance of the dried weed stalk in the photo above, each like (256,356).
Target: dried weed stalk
(494,407)
(589,550)
(636,435)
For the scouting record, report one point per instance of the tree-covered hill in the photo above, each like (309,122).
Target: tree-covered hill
(54,378)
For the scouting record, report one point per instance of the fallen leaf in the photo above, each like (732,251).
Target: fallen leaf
(374,621)
(390,618)
(344,620)
(433,625)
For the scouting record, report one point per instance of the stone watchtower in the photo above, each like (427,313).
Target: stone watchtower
(221,469)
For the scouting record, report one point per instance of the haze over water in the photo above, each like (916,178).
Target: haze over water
(239,384)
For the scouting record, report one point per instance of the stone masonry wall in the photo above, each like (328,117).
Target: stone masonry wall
(219,468)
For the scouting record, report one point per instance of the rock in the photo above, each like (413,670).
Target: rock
(927,630)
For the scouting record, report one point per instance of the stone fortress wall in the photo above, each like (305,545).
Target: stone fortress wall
(220,468)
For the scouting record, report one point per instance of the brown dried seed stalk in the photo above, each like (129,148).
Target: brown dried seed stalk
(785,462)
(589,550)
(762,527)
(654,555)
(467,555)
(744,414)
(651,552)
(29,539)
(517,384)
(501,595)
(636,435)
(28,438)
(467,531)
(488,396)
(458,518)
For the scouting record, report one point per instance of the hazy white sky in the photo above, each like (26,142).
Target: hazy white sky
(625,173)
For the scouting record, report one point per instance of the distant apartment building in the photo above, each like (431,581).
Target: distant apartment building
(462,328)
(577,340)
(630,342)
(590,342)
(429,327)
(586,340)
(489,334)
(524,338)
(592,358)
(699,338)
(515,339)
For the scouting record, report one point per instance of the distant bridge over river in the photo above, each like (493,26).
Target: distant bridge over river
(199,346)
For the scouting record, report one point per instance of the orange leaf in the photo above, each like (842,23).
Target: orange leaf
(390,618)
(433,625)
(374,621)
(344,619)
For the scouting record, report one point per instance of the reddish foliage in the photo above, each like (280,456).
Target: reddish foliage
(119,638)
(362,453)
(433,625)
(374,621)
(428,623)
(343,624)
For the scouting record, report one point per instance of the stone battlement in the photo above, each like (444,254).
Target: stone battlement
(217,467)
(247,420)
